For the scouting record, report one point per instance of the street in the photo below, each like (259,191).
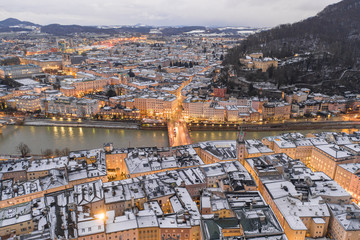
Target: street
(178,134)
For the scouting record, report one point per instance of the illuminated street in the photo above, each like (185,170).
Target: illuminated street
(178,134)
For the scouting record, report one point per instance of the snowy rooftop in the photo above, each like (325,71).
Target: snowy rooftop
(334,151)
(120,223)
(245,200)
(47,164)
(347,216)
(15,214)
(293,209)
(351,167)
(89,192)
(282,189)
(147,218)
(329,189)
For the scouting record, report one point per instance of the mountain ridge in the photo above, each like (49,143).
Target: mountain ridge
(328,44)
(7,25)
(337,22)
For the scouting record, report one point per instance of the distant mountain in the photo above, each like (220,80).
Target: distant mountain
(57,29)
(321,52)
(13,24)
(10,22)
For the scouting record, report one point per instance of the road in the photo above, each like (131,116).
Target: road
(178,134)
(177,129)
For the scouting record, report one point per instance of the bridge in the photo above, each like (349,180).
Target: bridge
(178,133)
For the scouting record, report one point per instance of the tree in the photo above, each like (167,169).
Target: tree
(66,151)
(58,152)
(270,71)
(48,153)
(111,93)
(131,74)
(23,149)
(251,90)
(10,61)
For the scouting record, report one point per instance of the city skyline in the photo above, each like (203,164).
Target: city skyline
(258,13)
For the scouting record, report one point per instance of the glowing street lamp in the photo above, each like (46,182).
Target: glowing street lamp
(100,216)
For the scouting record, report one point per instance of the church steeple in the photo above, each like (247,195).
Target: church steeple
(241,137)
(240,147)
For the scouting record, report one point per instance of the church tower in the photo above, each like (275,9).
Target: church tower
(240,147)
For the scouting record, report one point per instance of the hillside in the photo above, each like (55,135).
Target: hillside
(330,42)
(10,22)
(15,25)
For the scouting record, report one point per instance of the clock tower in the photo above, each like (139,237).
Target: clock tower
(240,147)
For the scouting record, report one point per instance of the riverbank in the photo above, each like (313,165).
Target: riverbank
(83,123)
(291,126)
(286,126)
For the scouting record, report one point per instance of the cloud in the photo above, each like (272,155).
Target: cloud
(164,12)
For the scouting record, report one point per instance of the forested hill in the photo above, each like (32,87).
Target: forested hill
(335,30)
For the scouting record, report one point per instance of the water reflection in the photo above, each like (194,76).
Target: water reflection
(71,132)
(55,129)
(62,129)
(38,138)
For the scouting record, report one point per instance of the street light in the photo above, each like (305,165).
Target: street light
(100,216)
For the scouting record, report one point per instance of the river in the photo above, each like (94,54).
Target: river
(41,138)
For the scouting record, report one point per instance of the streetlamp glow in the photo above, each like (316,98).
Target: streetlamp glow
(101,216)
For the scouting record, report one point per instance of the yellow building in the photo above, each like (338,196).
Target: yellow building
(344,222)
(148,226)
(348,177)
(326,158)
(16,220)
(257,61)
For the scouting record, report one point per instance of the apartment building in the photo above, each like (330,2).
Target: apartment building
(344,221)
(76,87)
(70,106)
(276,111)
(19,71)
(348,176)
(326,158)
(27,103)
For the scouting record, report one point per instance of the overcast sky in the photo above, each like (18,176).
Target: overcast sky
(257,13)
